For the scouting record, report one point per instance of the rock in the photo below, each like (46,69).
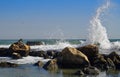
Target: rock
(89,50)
(110,64)
(91,70)
(39,54)
(39,63)
(72,58)
(51,65)
(115,58)
(80,72)
(100,62)
(51,53)
(20,47)
(5,52)
(31,43)
(16,56)
(7,64)
(56,54)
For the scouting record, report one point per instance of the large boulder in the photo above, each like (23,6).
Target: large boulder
(51,65)
(89,50)
(72,58)
(20,47)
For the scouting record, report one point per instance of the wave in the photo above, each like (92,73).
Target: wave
(24,60)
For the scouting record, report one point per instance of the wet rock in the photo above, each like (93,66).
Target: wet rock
(7,64)
(5,52)
(91,70)
(100,62)
(89,50)
(16,56)
(72,58)
(115,58)
(110,64)
(51,65)
(31,43)
(20,47)
(51,53)
(39,63)
(57,54)
(39,54)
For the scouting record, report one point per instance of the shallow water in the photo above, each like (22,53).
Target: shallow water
(33,71)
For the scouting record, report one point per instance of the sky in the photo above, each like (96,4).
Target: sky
(50,19)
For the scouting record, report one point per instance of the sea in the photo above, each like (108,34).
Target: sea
(26,68)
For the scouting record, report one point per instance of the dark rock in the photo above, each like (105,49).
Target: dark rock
(51,65)
(5,52)
(7,64)
(110,64)
(115,58)
(91,70)
(39,63)
(100,62)
(16,56)
(57,54)
(89,50)
(31,43)
(51,53)
(39,54)
(20,47)
(72,58)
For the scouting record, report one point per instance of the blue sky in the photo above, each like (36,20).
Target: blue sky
(39,19)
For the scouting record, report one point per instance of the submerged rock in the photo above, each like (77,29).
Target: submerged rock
(72,58)
(80,72)
(91,70)
(51,65)
(39,63)
(7,64)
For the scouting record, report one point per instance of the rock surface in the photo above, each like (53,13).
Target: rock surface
(20,47)
(72,58)
(51,65)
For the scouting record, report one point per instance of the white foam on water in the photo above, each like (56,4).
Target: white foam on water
(57,46)
(97,32)
(24,60)
(4,46)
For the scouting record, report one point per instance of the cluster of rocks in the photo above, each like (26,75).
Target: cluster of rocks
(86,58)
